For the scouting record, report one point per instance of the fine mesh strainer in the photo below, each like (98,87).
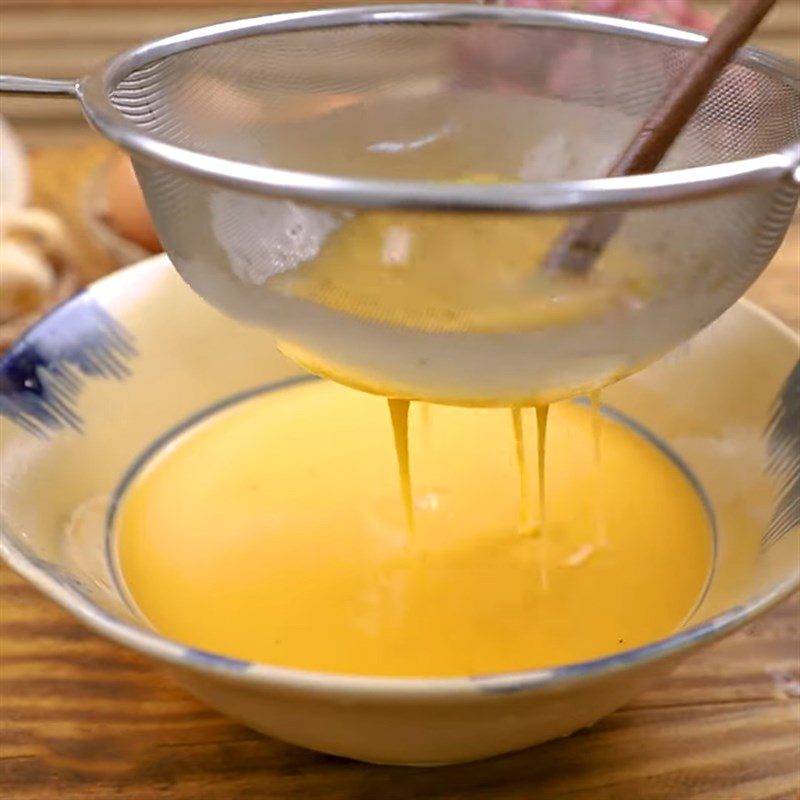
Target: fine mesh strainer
(378,185)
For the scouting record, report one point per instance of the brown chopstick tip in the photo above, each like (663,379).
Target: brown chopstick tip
(583,242)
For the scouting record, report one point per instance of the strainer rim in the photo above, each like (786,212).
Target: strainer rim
(566,196)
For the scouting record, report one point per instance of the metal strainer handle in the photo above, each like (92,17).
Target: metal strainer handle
(19,84)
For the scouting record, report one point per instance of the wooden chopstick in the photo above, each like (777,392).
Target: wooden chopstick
(583,241)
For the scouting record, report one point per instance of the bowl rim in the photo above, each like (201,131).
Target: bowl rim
(95,90)
(257,674)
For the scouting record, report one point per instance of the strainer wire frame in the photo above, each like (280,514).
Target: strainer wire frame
(615,194)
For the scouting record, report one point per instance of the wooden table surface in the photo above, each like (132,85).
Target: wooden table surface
(84,719)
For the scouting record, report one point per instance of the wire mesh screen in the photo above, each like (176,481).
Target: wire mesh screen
(469,103)
(263,97)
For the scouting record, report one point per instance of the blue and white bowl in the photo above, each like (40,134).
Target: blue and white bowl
(108,373)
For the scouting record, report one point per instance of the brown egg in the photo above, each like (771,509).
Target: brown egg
(125,207)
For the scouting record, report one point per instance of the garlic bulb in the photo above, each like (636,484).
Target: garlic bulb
(34,245)
(26,278)
(40,229)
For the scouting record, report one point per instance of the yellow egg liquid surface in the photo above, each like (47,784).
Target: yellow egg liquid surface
(461,272)
(274,530)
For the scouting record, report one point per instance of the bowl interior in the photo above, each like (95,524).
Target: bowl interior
(108,373)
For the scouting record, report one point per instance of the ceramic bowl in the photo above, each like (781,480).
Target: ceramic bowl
(109,372)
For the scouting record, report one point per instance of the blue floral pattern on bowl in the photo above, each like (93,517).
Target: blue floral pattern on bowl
(41,376)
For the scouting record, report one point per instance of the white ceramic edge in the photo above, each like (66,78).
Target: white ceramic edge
(172,652)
